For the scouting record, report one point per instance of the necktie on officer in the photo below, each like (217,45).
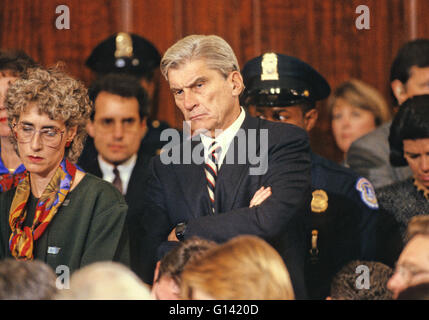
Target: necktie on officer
(211,169)
(117,182)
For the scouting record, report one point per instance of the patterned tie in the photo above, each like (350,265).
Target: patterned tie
(117,182)
(211,168)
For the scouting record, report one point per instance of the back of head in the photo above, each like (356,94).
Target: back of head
(346,284)
(123,85)
(173,263)
(245,267)
(105,281)
(418,225)
(26,280)
(362,96)
(214,50)
(15,62)
(413,53)
(411,122)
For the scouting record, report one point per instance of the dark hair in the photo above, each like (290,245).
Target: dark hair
(174,261)
(15,62)
(413,53)
(411,122)
(26,280)
(416,292)
(123,85)
(343,285)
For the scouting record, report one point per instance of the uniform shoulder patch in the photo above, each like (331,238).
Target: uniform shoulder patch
(367,193)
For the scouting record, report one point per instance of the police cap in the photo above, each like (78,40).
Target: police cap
(279,80)
(124,52)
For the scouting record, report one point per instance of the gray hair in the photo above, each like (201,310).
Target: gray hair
(217,53)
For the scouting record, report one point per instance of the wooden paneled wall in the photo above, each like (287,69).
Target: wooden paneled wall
(322,33)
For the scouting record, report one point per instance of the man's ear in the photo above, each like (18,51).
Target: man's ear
(399,91)
(237,83)
(90,128)
(155,276)
(310,119)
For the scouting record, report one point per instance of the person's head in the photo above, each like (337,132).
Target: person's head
(127,53)
(346,284)
(412,267)
(166,285)
(204,77)
(48,111)
(355,109)
(118,119)
(409,138)
(12,65)
(409,73)
(283,88)
(245,267)
(26,280)
(105,280)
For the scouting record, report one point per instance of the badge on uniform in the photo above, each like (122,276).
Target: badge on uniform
(367,193)
(319,202)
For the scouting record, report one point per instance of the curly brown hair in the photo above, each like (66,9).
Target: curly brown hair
(56,94)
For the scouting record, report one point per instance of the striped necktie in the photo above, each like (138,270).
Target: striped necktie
(211,168)
(117,182)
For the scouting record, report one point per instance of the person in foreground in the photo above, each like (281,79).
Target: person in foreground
(57,213)
(412,267)
(244,268)
(245,175)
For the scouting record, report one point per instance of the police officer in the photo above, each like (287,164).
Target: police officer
(341,224)
(131,54)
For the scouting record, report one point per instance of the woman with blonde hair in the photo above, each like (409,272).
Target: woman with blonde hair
(244,268)
(57,213)
(355,109)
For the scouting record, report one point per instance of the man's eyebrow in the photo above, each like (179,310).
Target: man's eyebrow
(191,84)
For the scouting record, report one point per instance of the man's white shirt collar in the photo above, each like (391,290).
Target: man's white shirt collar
(125,169)
(225,138)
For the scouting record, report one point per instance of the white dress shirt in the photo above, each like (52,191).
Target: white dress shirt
(125,169)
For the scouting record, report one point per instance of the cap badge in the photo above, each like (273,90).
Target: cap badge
(269,67)
(319,203)
(124,45)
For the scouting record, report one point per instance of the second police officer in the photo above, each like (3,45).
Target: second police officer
(340,226)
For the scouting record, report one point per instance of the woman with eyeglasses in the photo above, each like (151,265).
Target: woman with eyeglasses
(57,213)
(399,202)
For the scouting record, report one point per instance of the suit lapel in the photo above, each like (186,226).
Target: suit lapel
(193,183)
(232,173)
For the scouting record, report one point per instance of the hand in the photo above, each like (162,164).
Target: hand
(172,235)
(260,196)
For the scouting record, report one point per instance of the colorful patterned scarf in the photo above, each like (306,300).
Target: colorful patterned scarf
(21,240)
(10,180)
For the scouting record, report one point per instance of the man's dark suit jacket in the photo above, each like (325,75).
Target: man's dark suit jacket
(134,200)
(178,193)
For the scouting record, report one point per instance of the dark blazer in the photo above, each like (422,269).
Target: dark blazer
(133,198)
(177,193)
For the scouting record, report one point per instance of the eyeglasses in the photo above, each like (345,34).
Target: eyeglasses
(51,137)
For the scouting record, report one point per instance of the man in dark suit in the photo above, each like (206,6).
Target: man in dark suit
(128,53)
(409,76)
(235,174)
(117,125)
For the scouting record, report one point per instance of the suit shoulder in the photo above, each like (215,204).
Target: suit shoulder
(375,136)
(92,184)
